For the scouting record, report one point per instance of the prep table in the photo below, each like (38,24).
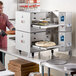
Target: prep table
(42,63)
(59,67)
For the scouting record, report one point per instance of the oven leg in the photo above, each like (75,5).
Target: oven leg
(39,55)
(48,71)
(20,52)
(42,70)
(32,55)
(52,52)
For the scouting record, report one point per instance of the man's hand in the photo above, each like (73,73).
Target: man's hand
(2,33)
(13,29)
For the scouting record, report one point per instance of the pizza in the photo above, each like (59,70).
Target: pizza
(45,43)
(10,32)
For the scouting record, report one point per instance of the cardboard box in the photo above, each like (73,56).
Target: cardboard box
(21,63)
(21,74)
(16,68)
(22,67)
(25,71)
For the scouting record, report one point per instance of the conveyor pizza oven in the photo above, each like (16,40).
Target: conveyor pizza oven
(32,27)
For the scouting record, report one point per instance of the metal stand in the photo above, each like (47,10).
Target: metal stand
(42,70)
(55,60)
(48,71)
(70,53)
(3,58)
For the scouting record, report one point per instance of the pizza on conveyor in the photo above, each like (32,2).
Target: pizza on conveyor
(45,43)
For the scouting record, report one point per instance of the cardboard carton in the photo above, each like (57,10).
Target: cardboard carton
(22,67)
(21,63)
(16,68)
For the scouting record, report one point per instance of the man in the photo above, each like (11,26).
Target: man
(4,22)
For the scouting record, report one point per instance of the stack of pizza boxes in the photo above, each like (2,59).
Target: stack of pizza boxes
(22,67)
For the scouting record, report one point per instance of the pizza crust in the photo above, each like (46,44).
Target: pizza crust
(10,32)
(45,44)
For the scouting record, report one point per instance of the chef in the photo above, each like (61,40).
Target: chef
(4,22)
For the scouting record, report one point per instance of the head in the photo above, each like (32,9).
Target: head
(1,7)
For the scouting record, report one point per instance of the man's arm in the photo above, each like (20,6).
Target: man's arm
(12,28)
(9,24)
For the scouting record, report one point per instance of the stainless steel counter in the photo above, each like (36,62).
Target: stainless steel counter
(42,63)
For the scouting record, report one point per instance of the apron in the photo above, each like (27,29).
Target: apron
(3,40)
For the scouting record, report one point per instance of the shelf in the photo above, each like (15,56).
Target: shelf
(45,48)
(46,26)
(29,4)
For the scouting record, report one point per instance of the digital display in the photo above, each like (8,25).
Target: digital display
(62,18)
(62,38)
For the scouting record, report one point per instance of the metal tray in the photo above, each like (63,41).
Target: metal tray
(57,61)
(45,26)
(45,48)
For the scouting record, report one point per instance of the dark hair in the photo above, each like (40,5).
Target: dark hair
(1,3)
